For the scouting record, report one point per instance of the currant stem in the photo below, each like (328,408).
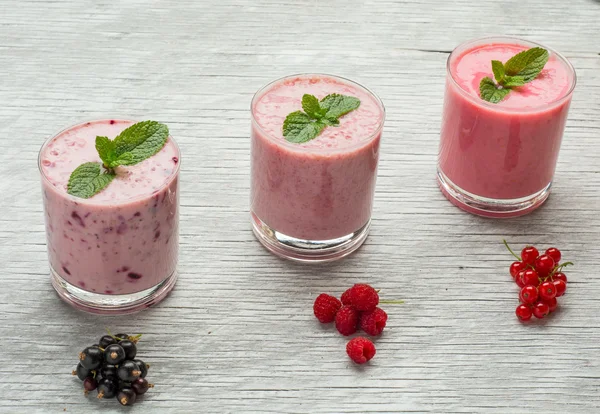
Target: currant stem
(511,252)
(392,302)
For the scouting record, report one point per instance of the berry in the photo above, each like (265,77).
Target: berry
(561,287)
(346,320)
(140,386)
(529,254)
(527,277)
(544,265)
(108,371)
(547,291)
(126,396)
(91,357)
(529,295)
(541,310)
(114,354)
(516,267)
(121,336)
(363,297)
(346,298)
(326,307)
(89,384)
(373,322)
(82,372)
(360,350)
(552,304)
(129,371)
(143,367)
(560,276)
(554,253)
(107,388)
(129,347)
(106,340)
(523,312)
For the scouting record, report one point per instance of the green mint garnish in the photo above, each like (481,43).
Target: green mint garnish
(89,179)
(300,127)
(132,146)
(520,69)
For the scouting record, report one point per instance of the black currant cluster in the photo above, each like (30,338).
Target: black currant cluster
(111,368)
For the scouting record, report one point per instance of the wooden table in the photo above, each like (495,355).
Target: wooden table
(237,334)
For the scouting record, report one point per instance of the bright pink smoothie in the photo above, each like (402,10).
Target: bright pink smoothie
(322,189)
(506,150)
(123,239)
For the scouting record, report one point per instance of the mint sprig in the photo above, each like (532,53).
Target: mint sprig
(132,146)
(300,127)
(520,69)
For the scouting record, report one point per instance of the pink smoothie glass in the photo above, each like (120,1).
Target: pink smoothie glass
(115,252)
(312,202)
(498,160)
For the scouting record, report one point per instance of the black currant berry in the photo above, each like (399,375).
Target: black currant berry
(107,340)
(129,347)
(126,396)
(143,367)
(108,371)
(114,354)
(140,386)
(91,357)
(129,371)
(121,336)
(90,384)
(123,384)
(107,388)
(82,372)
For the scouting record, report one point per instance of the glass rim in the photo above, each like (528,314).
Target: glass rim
(90,201)
(518,41)
(299,148)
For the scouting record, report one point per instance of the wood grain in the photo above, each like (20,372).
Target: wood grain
(237,334)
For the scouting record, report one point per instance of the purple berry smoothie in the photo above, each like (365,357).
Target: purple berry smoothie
(322,189)
(122,240)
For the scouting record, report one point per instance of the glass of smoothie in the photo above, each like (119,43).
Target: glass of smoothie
(116,251)
(312,201)
(498,159)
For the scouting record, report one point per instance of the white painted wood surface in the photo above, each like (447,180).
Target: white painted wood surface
(238,334)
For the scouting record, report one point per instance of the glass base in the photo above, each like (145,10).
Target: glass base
(489,207)
(111,304)
(308,251)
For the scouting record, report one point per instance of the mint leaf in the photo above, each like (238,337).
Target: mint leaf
(139,142)
(528,63)
(88,180)
(490,92)
(311,106)
(299,128)
(513,81)
(337,105)
(106,149)
(498,69)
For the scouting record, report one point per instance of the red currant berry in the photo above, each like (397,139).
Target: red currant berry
(547,291)
(529,254)
(516,267)
(544,265)
(560,276)
(541,310)
(561,287)
(554,253)
(529,295)
(523,312)
(552,304)
(527,277)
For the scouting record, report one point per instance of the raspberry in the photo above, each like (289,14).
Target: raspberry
(346,298)
(373,322)
(360,350)
(326,307)
(346,320)
(363,297)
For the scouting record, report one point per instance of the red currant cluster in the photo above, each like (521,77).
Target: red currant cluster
(541,280)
